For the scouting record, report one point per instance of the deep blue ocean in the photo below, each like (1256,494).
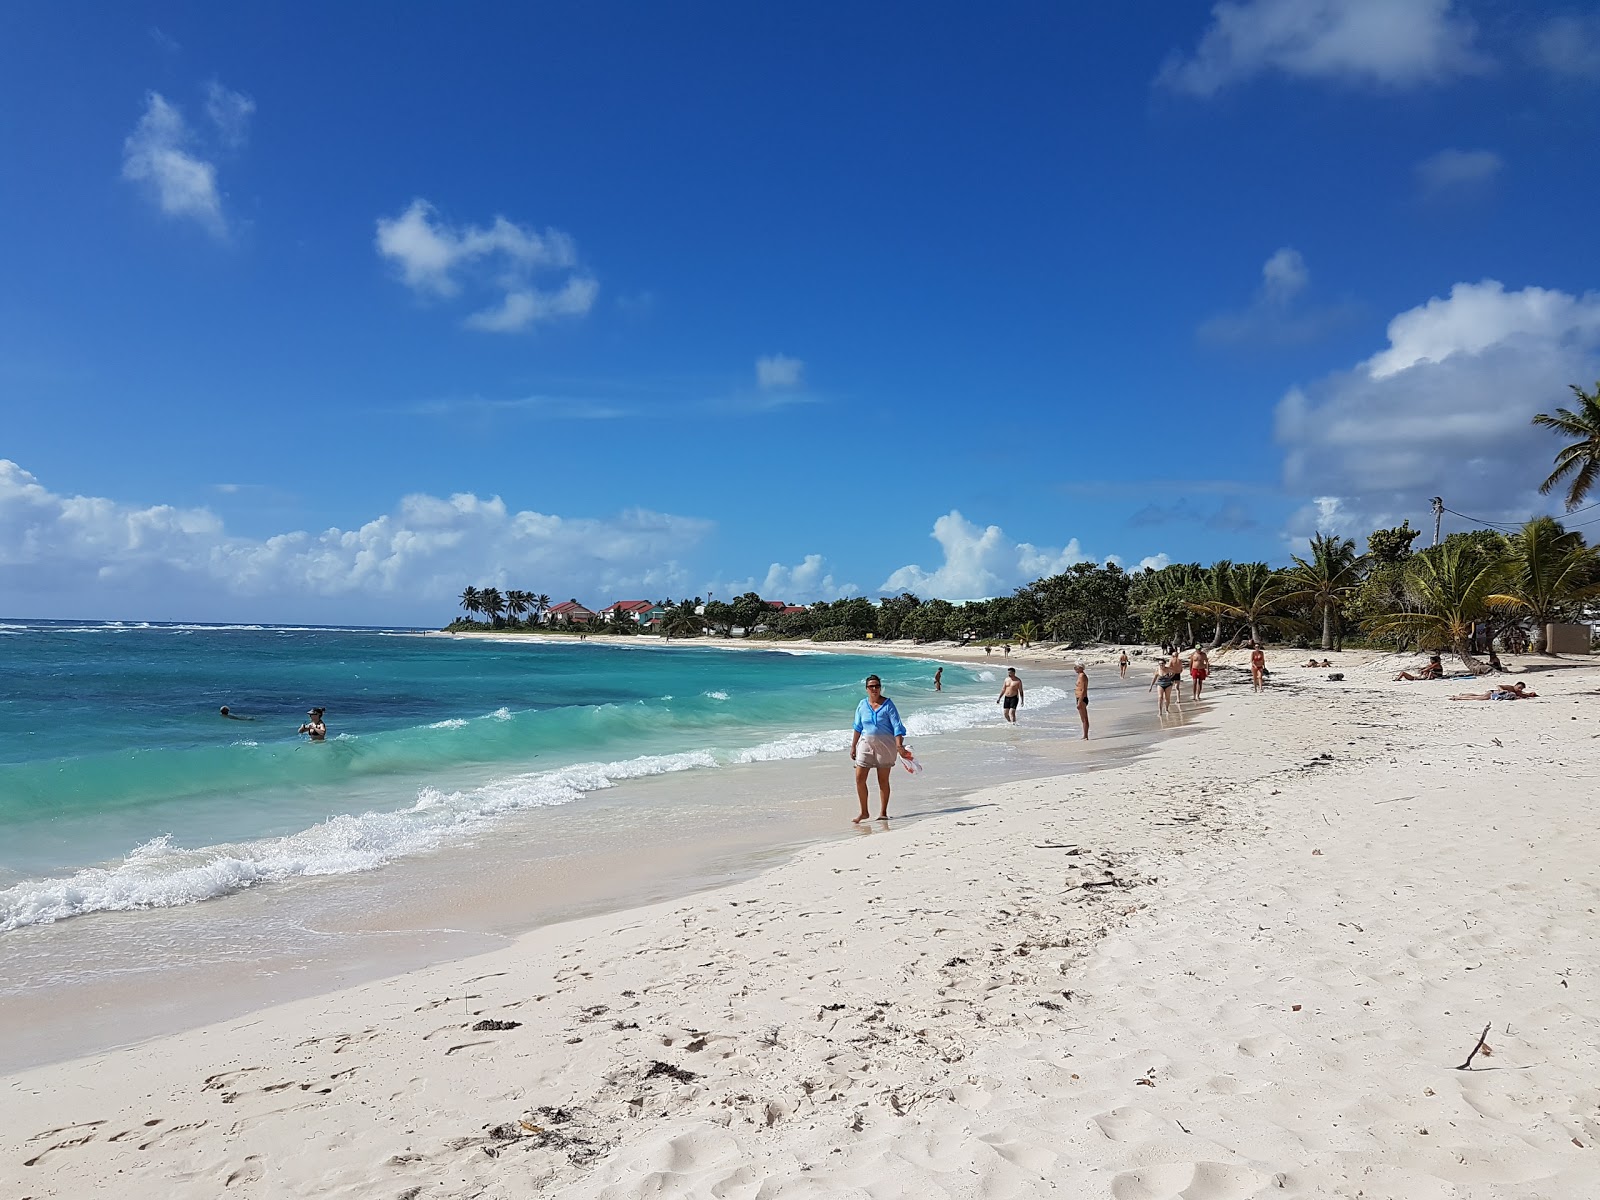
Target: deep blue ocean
(122,788)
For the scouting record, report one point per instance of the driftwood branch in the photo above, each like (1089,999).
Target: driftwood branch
(1482,1037)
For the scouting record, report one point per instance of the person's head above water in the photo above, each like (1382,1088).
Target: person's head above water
(315,712)
(223,710)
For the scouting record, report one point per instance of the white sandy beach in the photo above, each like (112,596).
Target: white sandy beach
(1248,964)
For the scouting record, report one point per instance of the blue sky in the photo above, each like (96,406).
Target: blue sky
(319,313)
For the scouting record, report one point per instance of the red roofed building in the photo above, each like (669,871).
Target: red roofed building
(638,610)
(568,612)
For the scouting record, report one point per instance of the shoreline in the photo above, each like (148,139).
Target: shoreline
(414,914)
(1237,964)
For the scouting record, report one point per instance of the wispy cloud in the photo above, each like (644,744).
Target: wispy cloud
(160,156)
(779,371)
(545,406)
(1569,45)
(1394,43)
(1451,173)
(1274,317)
(230,112)
(440,260)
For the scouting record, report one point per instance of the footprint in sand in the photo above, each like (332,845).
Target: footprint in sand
(249,1172)
(1188,1181)
(1261,1047)
(1121,1124)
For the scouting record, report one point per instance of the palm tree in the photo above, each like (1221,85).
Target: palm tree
(517,603)
(1255,595)
(493,603)
(541,605)
(1215,596)
(1549,569)
(471,600)
(1581,459)
(1333,572)
(1028,631)
(1451,588)
(682,621)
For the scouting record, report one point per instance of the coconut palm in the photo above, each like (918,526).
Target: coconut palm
(1450,588)
(517,603)
(1332,573)
(471,600)
(541,605)
(1214,596)
(493,603)
(1581,459)
(1256,594)
(1549,570)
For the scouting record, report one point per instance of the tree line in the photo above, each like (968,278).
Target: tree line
(1460,595)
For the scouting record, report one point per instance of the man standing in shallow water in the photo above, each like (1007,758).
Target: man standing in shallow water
(1083,698)
(1010,697)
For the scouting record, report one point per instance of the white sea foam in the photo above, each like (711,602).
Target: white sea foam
(501,714)
(451,723)
(718,695)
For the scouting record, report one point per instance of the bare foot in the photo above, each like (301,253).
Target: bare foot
(861,818)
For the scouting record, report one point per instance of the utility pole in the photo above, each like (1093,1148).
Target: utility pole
(1438,514)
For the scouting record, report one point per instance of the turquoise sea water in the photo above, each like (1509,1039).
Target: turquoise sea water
(121,787)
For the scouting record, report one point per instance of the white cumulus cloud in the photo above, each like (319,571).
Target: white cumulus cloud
(1389,42)
(438,259)
(101,557)
(980,562)
(808,580)
(1443,410)
(160,156)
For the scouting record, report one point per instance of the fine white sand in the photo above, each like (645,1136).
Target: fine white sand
(1248,964)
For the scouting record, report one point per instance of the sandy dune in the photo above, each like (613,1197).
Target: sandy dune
(1248,964)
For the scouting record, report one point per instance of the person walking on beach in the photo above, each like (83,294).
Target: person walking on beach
(1010,697)
(1082,694)
(1166,678)
(1258,666)
(1199,668)
(878,741)
(938,680)
(315,728)
(1122,664)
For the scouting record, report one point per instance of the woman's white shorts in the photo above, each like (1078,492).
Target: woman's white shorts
(876,752)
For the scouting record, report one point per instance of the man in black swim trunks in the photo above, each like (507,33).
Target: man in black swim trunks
(1010,698)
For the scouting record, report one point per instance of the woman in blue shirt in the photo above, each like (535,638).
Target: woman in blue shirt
(879,739)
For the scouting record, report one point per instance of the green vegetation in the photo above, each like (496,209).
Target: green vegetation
(1448,597)
(1456,596)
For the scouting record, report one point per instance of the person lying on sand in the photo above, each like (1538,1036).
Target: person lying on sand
(1434,670)
(1515,691)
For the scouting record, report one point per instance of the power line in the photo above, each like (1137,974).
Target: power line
(1505,526)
